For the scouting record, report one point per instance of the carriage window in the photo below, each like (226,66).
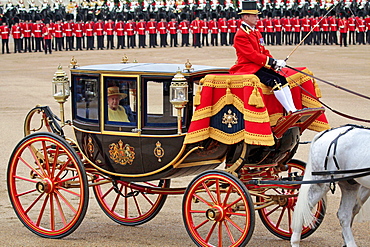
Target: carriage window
(160,111)
(86,96)
(120,100)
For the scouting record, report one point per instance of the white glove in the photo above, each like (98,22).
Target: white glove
(279,64)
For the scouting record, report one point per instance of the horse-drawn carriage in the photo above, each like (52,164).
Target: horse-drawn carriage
(166,134)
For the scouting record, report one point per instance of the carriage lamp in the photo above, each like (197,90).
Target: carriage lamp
(179,95)
(61,90)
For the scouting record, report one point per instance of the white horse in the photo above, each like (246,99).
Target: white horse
(346,147)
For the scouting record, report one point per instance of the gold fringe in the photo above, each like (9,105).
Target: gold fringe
(317,89)
(256,117)
(197,97)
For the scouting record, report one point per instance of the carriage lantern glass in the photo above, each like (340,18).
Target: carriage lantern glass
(179,95)
(61,90)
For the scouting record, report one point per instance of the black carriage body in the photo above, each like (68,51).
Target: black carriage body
(146,147)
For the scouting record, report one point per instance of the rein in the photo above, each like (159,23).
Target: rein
(331,84)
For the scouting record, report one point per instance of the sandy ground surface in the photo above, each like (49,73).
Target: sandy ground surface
(26,81)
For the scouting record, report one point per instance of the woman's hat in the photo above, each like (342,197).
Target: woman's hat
(249,7)
(112,91)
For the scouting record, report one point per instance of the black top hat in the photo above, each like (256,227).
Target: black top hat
(249,7)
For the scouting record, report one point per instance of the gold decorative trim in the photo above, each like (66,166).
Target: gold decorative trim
(90,146)
(158,151)
(230,118)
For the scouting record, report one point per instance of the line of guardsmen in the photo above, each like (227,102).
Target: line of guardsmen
(70,35)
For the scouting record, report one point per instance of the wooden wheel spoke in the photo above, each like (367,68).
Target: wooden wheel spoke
(66,201)
(107,192)
(147,198)
(55,161)
(69,191)
(63,167)
(31,149)
(280,217)
(60,209)
(201,224)
(67,179)
(33,203)
(116,199)
(273,210)
(209,235)
(209,193)
(228,219)
(233,203)
(52,216)
(25,179)
(202,200)
(41,213)
(31,167)
(47,166)
(231,237)
(220,234)
(139,211)
(25,193)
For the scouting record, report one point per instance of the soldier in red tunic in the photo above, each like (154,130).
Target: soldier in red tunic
(222,25)
(141,31)
(58,33)
(47,34)
(162,29)
(99,32)
(37,33)
(195,28)
(89,32)
(109,31)
(343,30)
(367,22)
(68,32)
(316,39)
(352,29)
(325,27)
(296,28)
(119,29)
(233,27)
(278,27)
(4,31)
(130,31)
(361,30)
(184,29)
(270,32)
(333,24)
(78,32)
(16,32)
(287,28)
(213,25)
(306,28)
(151,27)
(253,58)
(27,32)
(173,27)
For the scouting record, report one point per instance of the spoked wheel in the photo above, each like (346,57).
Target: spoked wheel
(128,206)
(36,121)
(218,210)
(277,217)
(47,185)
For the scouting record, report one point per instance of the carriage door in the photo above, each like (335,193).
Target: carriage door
(121,128)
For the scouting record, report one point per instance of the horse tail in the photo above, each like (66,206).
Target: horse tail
(302,210)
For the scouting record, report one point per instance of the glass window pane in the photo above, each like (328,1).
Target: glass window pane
(86,96)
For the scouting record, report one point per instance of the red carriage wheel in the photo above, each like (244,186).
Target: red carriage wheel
(128,206)
(36,121)
(277,217)
(47,185)
(218,210)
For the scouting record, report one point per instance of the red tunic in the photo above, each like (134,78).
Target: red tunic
(141,27)
(78,29)
(68,29)
(119,28)
(213,25)
(251,54)
(37,30)
(287,24)
(109,28)
(47,32)
(296,25)
(306,25)
(27,29)
(325,24)
(184,27)
(16,31)
(130,29)
(269,26)
(58,30)
(343,26)
(277,25)
(99,29)
(361,25)
(151,26)
(195,26)
(333,24)
(352,24)
(89,29)
(261,26)
(4,31)
(162,27)
(172,27)
(233,25)
(222,25)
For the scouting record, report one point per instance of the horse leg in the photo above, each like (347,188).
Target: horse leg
(362,195)
(345,213)
(302,209)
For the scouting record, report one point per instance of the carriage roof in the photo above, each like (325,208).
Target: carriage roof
(165,69)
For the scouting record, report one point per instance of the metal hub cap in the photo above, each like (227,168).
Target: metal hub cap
(215,213)
(45,186)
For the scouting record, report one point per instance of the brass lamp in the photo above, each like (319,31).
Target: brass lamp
(61,90)
(179,96)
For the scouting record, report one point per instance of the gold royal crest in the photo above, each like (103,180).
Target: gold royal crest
(121,153)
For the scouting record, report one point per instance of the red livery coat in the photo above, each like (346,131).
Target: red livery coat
(4,31)
(251,54)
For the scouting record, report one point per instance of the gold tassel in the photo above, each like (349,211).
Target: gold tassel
(317,90)
(229,95)
(255,99)
(197,97)
(197,94)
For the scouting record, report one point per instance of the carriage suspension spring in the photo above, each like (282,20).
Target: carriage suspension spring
(130,194)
